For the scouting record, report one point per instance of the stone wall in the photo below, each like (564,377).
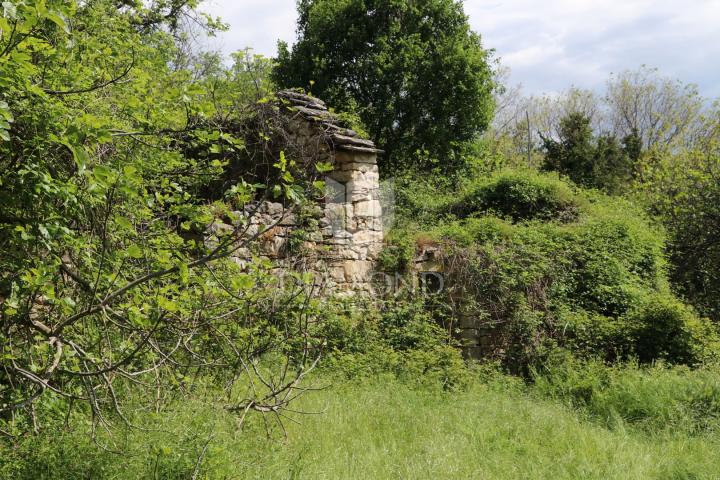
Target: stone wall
(341,253)
(479,336)
(343,250)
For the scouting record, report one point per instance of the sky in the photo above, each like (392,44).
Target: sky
(548,45)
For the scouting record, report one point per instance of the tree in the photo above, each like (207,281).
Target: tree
(573,154)
(594,161)
(683,190)
(522,122)
(663,112)
(106,148)
(414,71)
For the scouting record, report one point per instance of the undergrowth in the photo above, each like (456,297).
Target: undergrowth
(635,423)
(545,264)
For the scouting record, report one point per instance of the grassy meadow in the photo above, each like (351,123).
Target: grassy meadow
(496,428)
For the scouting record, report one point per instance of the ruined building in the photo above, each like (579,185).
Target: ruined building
(342,251)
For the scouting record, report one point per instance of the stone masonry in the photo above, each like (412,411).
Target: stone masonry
(342,252)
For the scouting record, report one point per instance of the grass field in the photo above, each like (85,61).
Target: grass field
(379,430)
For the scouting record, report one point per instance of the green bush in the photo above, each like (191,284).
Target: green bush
(563,267)
(520,195)
(402,339)
(666,329)
(397,256)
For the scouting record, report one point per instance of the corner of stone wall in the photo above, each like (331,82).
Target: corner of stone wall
(342,254)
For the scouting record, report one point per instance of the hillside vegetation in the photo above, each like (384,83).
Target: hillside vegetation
(550,265)
(132,345)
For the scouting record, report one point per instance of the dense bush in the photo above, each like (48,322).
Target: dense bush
(544,264)
(402,338)
(520,195)
(684,192)
(118,148)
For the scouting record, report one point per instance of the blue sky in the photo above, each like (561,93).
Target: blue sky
(548,44)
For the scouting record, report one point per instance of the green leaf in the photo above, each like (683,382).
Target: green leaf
(102,174)
(324,167)
(124,222)
(134,251)
(184,273)
(167,304)
(80,156)
(58,20)
(243,282)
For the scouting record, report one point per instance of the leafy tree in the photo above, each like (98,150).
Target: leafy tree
(588,160)
(574,153)
(414,71)
(683,189)
(107,145)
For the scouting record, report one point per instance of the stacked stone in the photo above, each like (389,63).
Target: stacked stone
(342,254)
(356,239)
(324,123)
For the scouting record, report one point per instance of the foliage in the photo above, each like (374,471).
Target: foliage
(683,190)
(415,73)
(397,256)
(594,162)
(562,267)
(653,399)
(403,339)
(109,277)
(662,112)
(518,195)
(642,105)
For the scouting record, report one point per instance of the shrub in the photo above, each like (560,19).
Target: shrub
(520,195)
(397,256)
(666,329)
(544,284)
(596,285)
(403,339)
(548,265)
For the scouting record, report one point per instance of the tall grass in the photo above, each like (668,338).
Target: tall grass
(377,430)
(654,399)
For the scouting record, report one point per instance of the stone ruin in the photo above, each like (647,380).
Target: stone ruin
(342,251)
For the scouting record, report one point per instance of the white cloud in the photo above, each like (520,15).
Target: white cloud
(548,44)
(255,24)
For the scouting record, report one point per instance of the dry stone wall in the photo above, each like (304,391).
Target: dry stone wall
(342,251)
(478,335)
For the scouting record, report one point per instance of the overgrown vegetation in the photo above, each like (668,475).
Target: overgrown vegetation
(112,276)
(544,264)
(131,346)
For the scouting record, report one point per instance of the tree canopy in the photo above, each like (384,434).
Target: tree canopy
(601,162)
(415,72)
(111,130)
